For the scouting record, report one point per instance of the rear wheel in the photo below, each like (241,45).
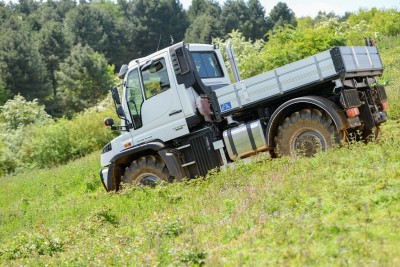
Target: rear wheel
(148,171)
(305,133)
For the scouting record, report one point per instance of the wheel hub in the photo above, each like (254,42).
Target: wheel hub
(149,179)
(308,143)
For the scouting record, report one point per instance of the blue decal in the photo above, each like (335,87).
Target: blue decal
(226,106)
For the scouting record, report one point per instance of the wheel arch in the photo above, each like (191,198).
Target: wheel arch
(296,104)
(123,159)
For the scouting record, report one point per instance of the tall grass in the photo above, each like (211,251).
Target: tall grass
(389,48)
(340,207)
(337,208)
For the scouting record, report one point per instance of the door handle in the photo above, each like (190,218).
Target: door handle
(175,112)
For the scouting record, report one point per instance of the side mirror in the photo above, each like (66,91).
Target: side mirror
(115,95)
(120,112)
(109,122)
(122,71)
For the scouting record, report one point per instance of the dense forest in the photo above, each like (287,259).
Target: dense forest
(59,58)
(64,53)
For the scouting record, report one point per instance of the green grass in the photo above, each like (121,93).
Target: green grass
(338,208)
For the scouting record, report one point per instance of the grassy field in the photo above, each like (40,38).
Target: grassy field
(338,208)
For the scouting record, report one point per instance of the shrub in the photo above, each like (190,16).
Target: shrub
(35,140)
(67,139)
(18,112)
(383,22)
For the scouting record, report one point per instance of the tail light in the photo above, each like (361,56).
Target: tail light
(385,106)
(352,112)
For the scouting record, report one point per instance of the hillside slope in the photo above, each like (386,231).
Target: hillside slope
(340,207)
(337,208)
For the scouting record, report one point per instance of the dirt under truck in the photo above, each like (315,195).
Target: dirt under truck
(181,116)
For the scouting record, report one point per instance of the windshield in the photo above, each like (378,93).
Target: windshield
(207,64)
(134,97)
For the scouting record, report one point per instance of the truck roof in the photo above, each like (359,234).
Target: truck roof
(191,47)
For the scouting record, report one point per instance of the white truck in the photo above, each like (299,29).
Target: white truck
(181,116)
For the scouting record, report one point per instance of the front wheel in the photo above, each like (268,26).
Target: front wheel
(149,171)
(305,133)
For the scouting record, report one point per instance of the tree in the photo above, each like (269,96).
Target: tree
(18,112)
(88,24)
(3,93)
(201,7)
(258,23)
(234,14)
(203,16)
(84,79)
(202,30)
(54,48)
(22,68)
(281,14)
(249,18)
(288,44)
(154,23)
(247,53)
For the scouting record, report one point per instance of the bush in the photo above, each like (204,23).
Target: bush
(67,139)
(18,112)
(383,22)
(30,141)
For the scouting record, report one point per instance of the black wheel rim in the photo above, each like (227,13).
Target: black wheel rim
(149,179)
(307,143)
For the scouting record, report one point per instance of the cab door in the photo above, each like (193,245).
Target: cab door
(157,113)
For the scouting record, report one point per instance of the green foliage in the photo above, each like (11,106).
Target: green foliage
(102,28)
(154,23)
(84,79)
(16,115)
(389,48)
(30,138)
(22,69)
(246,53)
(248,18)
(281,212)
(285,45)
(289,44)
(281,15)
(54,48)
(66,139)
(18,112)
(27,245)
(3,93)
(203,16)
(383,22)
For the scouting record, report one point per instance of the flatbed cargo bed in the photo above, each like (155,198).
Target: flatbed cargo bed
(338,62)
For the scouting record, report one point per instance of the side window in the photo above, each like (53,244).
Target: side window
(134,97)
(207,64)
(155,78)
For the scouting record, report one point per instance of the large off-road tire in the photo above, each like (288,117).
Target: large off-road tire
(305,133)
(148,170)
